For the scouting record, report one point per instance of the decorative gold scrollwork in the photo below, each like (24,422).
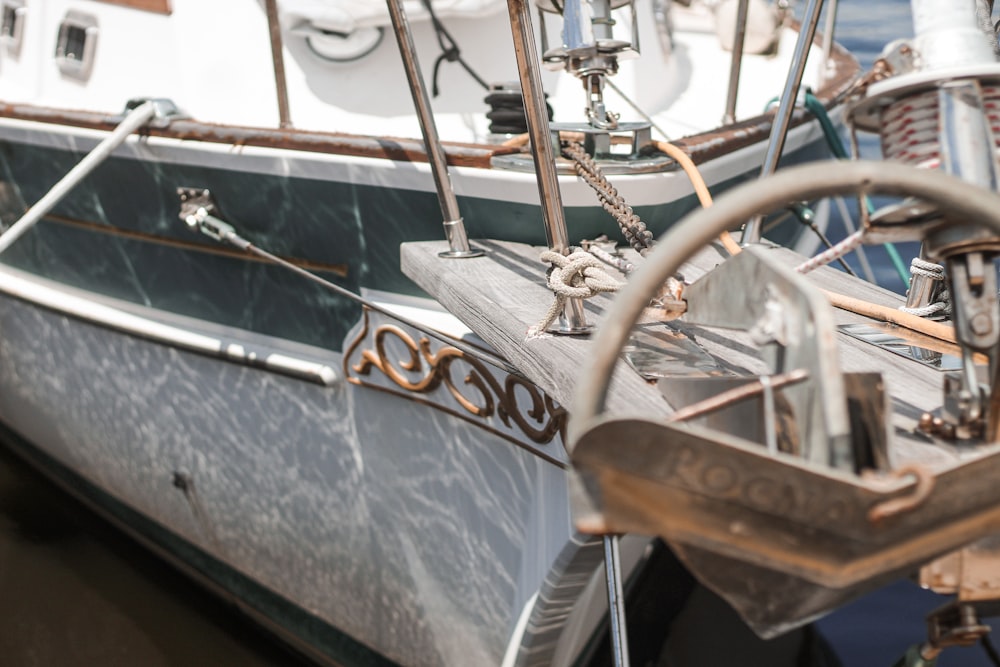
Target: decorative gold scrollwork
(424,371)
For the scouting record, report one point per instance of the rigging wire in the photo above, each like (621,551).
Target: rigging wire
(628,100)
(836,145)
(223,232)
(449,51)
(990,649)
(806,217)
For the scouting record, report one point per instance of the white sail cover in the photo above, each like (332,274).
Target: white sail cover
(346,16)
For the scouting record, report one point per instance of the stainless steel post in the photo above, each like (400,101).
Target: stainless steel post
(737,61)
(616,601)
(828,31)
(454,227)
(278,61)
(573,319)
(783,117)
(135,119)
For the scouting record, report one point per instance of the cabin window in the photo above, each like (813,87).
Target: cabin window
(12,25)
(76,45)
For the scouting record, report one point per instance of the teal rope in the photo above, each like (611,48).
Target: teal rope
(836,145)
(829,131)
(897,262)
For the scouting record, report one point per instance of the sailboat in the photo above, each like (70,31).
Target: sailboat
(209,330)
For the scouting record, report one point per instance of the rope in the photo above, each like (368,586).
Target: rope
(700,188)
(685,162)
(634,230)
(449,52)
(939,309)
(619,263)
(922,267)
(807,217)
(632,227)
(836,145)
(835,252)
(578,275)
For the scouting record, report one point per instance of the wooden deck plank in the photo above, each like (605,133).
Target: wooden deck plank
(500,297)
(503,294)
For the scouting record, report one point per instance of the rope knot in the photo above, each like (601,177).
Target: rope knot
(578,275)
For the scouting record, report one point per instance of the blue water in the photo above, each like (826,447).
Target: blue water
(876,630)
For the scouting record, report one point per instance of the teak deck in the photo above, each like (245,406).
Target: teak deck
(500,296)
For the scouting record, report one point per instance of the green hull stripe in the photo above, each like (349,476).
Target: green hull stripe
(358,227)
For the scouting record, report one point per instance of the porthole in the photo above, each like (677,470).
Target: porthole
(12,16)
(76,45)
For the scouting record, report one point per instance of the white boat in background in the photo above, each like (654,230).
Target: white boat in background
(345,460)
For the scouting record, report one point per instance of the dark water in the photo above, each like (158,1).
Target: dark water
(74,591)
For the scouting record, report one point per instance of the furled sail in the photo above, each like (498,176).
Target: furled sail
(346,16)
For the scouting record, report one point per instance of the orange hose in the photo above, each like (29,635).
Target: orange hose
(937,330)
(700,188)
(518,141)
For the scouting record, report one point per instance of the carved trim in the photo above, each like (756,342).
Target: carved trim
(479,393)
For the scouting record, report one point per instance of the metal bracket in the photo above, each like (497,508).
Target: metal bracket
(597,142)
(199,212)
(165,110)
(193,199)
(794,324)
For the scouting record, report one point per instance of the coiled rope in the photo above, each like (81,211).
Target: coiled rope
(940,308)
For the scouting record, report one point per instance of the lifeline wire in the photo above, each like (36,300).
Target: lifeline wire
(224,232)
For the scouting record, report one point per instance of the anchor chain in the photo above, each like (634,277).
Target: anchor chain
(632,227)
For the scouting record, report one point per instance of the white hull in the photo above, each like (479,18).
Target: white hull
(355,504)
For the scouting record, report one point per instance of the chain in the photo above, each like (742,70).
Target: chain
(632,227)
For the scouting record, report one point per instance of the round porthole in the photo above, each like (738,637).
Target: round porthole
(343,47)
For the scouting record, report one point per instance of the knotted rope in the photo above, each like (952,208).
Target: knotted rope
(578,275)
